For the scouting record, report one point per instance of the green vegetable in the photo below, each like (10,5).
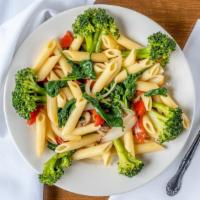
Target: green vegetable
(92,24)
(54,168)
(113,118)
(53,87)
(63,113)
(167,121)
(159,91)
(125,53)
(27,95)
(159,48)
(128,165)
(51,146)
(83,71)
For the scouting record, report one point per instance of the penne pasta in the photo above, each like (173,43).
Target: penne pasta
(44,55)
(148,147)
(72,145)
(52,76)
(47,67)
(107,157)
(158,79)
(149,127)
(132,69)
(168,101)
(76,43)
(52,108)
(109,42)
(61,100)
(74,117)
(129,142)
(67,93)
(75,89)
(112,53)
(76,55)
(99,57)
(99,68)
(147,102)
(51,137)
(83,130)
(146,86)
(59,73)
(186,121)
(126,42)
(130,59)
(92,151)
(40,133)
(151,72)
(107,75)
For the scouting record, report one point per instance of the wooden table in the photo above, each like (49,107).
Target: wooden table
(177,17)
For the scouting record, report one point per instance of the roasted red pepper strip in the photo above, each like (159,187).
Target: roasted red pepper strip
(139,108)
(66,40)
(98,120)
(33,116)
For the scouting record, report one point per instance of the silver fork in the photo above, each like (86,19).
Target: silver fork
(174,185)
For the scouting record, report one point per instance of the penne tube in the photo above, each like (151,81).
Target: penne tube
(52,76)
(83,130)
(72,145)
(107,157)
(168,101)
(112,53)
(61,100)
(67,93)
(156,98)
(77,55)
(99,67)
(45,54)
(76,43)
(148,147)
(130,59)
(109,42)
(107,75)
(51,137)
(158,79)
(186,121)
(40,133)
(129,142)
(64,65)
(132,69)
(59,73)
(47,67)
(151,72)
(99,57)
(75,89)
(149,127)
(58,132)
(147,102)
(146,86)
(74,117)
(126,42)
(93,151)
(96,158)
(52,108)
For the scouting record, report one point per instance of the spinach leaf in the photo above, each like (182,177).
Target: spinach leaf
(110,118)
(53,87)
(159,91)
(52,146)
(63,113)
(87,69)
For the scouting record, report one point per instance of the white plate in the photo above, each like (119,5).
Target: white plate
(89,178)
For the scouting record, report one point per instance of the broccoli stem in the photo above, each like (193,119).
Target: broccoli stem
(40,99)
(142,53)
(99,41)
(120,149)
(96,39)
(89,43)
(160,107)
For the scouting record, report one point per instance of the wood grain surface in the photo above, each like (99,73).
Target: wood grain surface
(178,18)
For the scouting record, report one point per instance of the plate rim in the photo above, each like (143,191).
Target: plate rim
(5,104)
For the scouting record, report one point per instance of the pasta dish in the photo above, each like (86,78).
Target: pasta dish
(96,94)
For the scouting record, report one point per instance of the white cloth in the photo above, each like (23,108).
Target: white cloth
(155,190)
(17,180)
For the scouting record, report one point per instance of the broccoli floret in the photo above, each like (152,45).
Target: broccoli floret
(159,48)
(92,24)
(128,165)
(168,121)
(27,95)
(54,167)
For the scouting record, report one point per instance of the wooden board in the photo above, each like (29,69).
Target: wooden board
(177,17)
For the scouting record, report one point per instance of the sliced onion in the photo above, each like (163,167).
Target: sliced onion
(88,86)
(116,132)
(109,91)
(89,106)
